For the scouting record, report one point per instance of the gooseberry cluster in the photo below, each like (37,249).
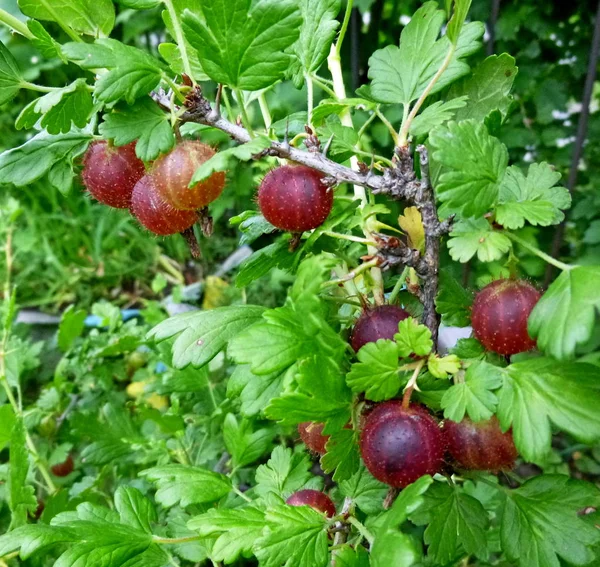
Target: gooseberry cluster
(160,197)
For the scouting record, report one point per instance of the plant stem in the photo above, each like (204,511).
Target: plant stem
(15,24)
(179,39)
(173,541)
(309,98)
(174,87)
(344,28)
(362,530)
(406,124)
(245,119)
(353,274)
(398,285)
(412,384)
(264,109)
(317,81)
(347,237)
(225,98)
(241,494)
(37,88)
(375,156)
(539,253)
(389,126)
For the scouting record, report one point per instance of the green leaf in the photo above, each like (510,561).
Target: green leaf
(276,255)
(144,122)
(377,373)
(539,391)
(10,75)
(284,473)
(255,392)
(487,88)
(44,42)
(348,556)
(132,73)
(400,75)
(329,106)
(564,316)
(473,165)
(21,499)
(533,199)
(441,366)
(453,301)
(90,17)
(228,159)
(413,338)
(242,43)
(135,509)
(366,491)
(296,535)
(25,164)
(475,395)
(71,326)
(201,335)
(455,25)
(471,237)
(343,138)
(319,27)
(456,521)
(468,348)
(235,530)
(7,423)
(342,454)
(185,485)
(436,114)
(32,538)
(252,225)
(244,445)
(540,522)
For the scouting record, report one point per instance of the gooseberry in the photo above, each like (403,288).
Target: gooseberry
(376,323)
(65,468)
(313,498)
(311,434)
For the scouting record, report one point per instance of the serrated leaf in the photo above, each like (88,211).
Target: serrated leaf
(276,255)
(473,166)
(255,392)
(453,301)
(201,335)
(365,490)
(185,485)
(471,237)
(228,159)
(252,225)
(533,199)
(540,522)
(10,75)
(71,326)
(7,423)
(541,391)
(134,509)
(440,367)
(284,473)
(21,499)
(436,114)
(413,338)
(564,317)
(487,88)
(455,25)
(244,44)
(401,74)
(244,445)
(144,122)
(377,373)
(342,454)
(475,396)
(411,222)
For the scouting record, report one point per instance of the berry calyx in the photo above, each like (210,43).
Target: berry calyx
(158,216)
(399,445)
(294,198)
(65,468)
(315,499)
(311,434)
(376,323)
(110,173)
(500,313)
(174,171)
(480,446)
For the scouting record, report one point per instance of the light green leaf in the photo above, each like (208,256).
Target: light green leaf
(21,499)
(455,25)
(242,43)
(144,122)
(201,335)
(71,326)
(453,301)
(539,391)
(564,317)
(377,373)
(365,490)
(471,237)
(473,166)
(284,473)
(10,75)
(342,454)
(255,392)
(540,522)
(440,367)
(135,509)
(7,423)
(436,114)
(413,338)
(263,261)
(185,485)
(243,444)
(475,395)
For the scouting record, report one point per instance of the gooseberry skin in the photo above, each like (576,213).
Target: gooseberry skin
(65,468)
(315,499)
(155,213)
(110,173)
(311,434)
(500,313)
(480,446)
(399,445)
(376,323)
(294,198)
(174,171)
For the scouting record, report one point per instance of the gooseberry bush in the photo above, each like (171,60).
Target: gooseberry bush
(341,427)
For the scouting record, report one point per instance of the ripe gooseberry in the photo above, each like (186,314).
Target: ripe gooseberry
(174,171)
(399,445)
(158,216)
(315,499)
(480,446)
(294,198)
(110,172)
(500,313)
(311,434)
(376,323)
(65,468)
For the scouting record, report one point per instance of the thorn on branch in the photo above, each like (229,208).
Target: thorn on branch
(392,251)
